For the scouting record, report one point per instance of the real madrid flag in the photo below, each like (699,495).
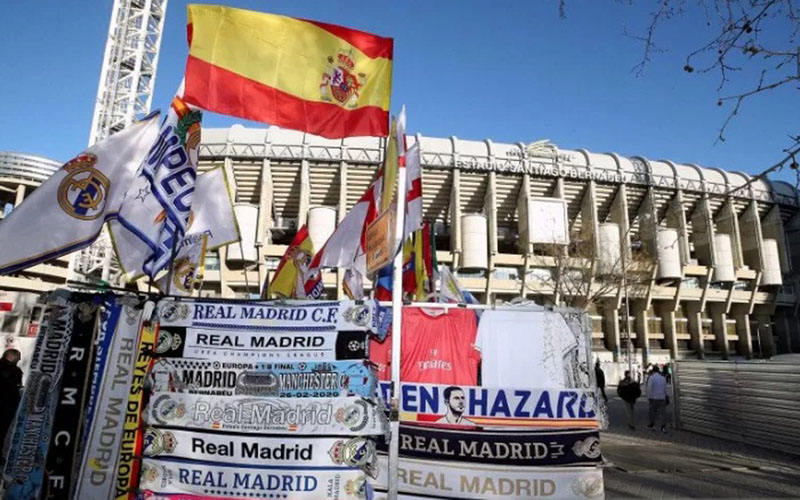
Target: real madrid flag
(157,207)
(67,212)
(187,268)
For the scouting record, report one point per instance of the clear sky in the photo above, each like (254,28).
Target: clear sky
(508,71)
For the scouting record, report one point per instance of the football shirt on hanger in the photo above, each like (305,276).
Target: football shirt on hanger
(523,348)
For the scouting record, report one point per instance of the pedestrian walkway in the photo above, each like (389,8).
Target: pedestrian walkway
(682,464)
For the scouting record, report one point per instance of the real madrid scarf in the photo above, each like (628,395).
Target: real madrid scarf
(131,443)
(260,450)
(284,380)
(242,344)
(67,417)
(350,416)
(515,448)
(102,443)
(221,480)
(26,458)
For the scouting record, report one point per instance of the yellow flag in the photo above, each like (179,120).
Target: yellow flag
(390,167)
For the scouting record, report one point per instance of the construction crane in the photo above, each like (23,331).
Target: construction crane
(125,93)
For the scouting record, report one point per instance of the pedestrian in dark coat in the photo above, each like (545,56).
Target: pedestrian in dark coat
(629,391)
(10,384)
(601,379)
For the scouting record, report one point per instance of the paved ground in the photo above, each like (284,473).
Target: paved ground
(682,464)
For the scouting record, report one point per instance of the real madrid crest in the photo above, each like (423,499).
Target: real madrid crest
(82,194)
(340,84)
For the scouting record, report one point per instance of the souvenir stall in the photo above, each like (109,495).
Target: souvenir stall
(163,396)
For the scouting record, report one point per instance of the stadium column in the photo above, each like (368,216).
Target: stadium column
(590,228)
(490,208)
(558,192)
(744,346)
(526,246)
(719,325)
(667,314)
(264,225)
(340,213)
(694,317)
(455,216)
(612,337)
(639,308)
(20,195)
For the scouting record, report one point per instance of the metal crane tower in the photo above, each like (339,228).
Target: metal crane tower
(129,65)
(124,93)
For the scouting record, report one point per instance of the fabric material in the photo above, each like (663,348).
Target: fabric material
(440,348)
(187,268)
(289,280)
(104,429)
(413,220)
(512,348)
(380,354)
(599,376)
(61,467)
(212,210)
(318,78)
(629,413)
(657,387)
(656,412)
(629,391)
(10,385)
(31,439)
(77,200)
(156,211)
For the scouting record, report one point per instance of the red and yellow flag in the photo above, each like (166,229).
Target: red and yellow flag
(305,75)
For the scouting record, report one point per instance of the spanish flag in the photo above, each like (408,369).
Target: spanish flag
(304,75)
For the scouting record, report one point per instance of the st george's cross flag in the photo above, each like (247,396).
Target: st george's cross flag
(156,210)
(67,212)
(304,75)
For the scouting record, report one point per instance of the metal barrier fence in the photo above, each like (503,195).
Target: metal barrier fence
(756,403)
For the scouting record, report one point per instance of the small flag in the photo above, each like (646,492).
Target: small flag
(157,208)
(413,219)
(304,75)
(187,268)
(67,212)
(289,280)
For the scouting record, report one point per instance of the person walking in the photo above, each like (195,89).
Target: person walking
(10,384)
(658,398)
(629,391)
(600,376)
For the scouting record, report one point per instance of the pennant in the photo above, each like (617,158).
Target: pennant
(304,75)
(67,212)
(420,273)
(157,207)
(452,289)
(187,268)
(289,280)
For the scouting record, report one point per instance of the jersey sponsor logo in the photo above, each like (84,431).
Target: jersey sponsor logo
(471,406)
(219,480)
(332,416)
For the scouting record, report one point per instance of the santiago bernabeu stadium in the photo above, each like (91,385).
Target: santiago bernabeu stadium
(713,258)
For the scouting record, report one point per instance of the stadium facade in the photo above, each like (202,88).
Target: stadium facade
(711,253)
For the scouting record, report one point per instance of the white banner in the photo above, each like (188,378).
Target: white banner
(494,407)
(100,456)
(351,416)
(218,480)
(464,481)
(212,209)
(260,450)
(285,316)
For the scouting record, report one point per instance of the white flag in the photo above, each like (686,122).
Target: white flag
(413,220)
(212,210)
(187,268)
(157,207)
(67,212)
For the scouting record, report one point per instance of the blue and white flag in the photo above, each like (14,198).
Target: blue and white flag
(67,212)
(157,208)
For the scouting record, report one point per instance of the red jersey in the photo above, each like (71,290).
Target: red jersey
(380,353)
(439,347)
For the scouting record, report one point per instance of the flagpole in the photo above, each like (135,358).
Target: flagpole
(397,318)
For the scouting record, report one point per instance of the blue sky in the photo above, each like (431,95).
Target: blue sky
(508,71)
